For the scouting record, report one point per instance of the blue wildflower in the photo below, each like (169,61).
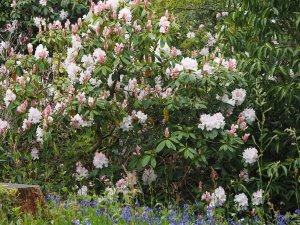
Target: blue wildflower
(93,203)
(126,214)
(57,200)
(76,222)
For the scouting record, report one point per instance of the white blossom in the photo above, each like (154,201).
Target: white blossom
(257,197)
(250,155)
(9,97)
(209,122)
(190,35)
(149,176)
(189,64)
(126,124)
(43,2)
(34,115)
(100,160)
(141,116)
(241,201)
(39,135)
(249,115)
(83,191)
(239,95)
(81,171)
(218,197)
(63,14)
(35,153)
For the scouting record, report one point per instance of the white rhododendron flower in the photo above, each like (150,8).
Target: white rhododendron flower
(39,135)
(141,116)
(63,14)
(113,4)
(34,153)
(83,191)
(9,97)
(208,122)
(41,52)
(190,35)
(239,95)
(241,201)
(34,115)
(126,124)
(218,197)
(87,61)
(81,171)
(43,2)
(257,197)
(225,99)
(38,21)
(72,71)
(100,160)
(204,51)
(250,155)
(189,64)
(149,176)
(249,115)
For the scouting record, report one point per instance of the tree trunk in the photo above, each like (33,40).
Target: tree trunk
(28,196)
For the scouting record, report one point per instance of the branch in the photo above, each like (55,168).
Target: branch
(101,138)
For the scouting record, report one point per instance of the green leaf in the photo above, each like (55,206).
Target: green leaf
(170,145)
(153,162)
(145,160)
(160,146)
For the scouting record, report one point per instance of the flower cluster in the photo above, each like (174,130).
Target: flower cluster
(208,122)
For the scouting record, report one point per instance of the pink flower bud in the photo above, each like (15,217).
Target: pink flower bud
(74,28)
(30,48)
(245,137)
(149,25)
(91,101)
(167,132)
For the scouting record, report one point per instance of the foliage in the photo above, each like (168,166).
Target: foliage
(263,36)
(17,21)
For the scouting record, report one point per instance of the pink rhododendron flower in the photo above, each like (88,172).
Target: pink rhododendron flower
(41,52)
(206,196)
(4,125)
(125,14)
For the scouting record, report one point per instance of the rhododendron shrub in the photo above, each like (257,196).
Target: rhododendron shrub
(112,92)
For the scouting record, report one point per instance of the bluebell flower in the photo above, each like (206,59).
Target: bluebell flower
(76,222)
(297,211)
(93,203)
(48,197)
(282,220)
(137,204)
(126,214)
(99,211)
(87,222)
(57,200)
